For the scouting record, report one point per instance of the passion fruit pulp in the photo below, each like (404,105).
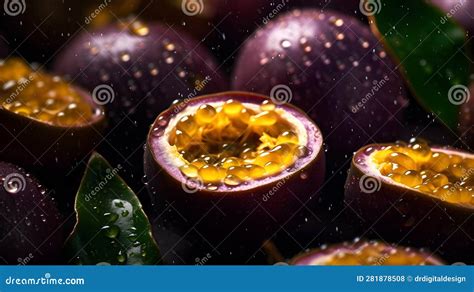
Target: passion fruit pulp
(234,166)
(45,121)
(330,65)
(416,194)
(30,223)
(365,253)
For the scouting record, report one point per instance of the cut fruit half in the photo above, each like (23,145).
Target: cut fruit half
(234,150)
(365,253)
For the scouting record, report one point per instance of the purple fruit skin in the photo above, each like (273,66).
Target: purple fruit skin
(328,83)
(461,10)
(30,225)
(408,217)
(140,91)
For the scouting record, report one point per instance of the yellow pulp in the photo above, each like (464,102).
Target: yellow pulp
(231,144)
(40,96)
(448,177)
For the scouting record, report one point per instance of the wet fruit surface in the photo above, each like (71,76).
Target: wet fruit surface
(229,153)
(30,223)
(43,97)
(136,70)
(331,66)
(365,253)
(46,122)
(447,177)
(416,194)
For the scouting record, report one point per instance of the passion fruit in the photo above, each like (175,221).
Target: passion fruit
(234,166)
(417,194)
(30,225)
(330,65)
(45,122)
(137,70)
(365,253)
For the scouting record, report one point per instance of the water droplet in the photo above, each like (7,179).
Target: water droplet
(285,44)
(111,231)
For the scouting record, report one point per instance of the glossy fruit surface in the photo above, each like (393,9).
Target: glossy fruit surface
(30,223)
(45,121)
(365,253)
(416,193)
(332,67)
(233,150)
(136,70)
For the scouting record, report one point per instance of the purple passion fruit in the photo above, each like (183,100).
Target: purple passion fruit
(136,71)
(365,253)
(331,66)
(30,225)
(45,121)
(235,153)
(147,65)
(416,193)
(461,10)
(466,124)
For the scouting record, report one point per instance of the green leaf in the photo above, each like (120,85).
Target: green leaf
(431,50)
(111,226)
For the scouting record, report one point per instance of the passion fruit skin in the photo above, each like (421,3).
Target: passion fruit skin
(407,216)
(31,226)
(234,224)
(335,70)
(462,11)
(147,70)
(44,146)
(307,258)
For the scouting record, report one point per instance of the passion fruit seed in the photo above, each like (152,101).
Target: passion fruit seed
(41,96)
(231,143)
(449,177)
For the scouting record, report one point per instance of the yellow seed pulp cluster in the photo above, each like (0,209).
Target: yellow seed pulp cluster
(231,143)
(40,96)
(374,253)
(449,177)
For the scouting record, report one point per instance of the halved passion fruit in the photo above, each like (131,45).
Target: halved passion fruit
(416,193)
(233,161)
(30,223)
(44,120)
(365,253)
